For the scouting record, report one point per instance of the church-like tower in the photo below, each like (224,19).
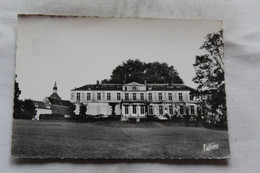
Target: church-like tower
(54,94)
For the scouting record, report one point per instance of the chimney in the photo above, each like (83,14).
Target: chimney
(97,82)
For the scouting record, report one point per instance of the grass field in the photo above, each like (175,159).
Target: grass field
(114,139)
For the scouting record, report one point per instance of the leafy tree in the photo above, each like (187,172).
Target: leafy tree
(210,79)
(161,73)
(137,71)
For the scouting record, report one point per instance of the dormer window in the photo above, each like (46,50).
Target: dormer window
(134,88)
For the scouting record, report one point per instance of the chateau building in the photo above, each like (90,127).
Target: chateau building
(135,100)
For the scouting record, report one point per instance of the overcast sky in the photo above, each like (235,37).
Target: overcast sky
(74,51)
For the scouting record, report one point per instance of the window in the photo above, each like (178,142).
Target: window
(126,96)
(192,110)
(98,96)
(142,109)
(191,96)
(160,109)
(126,110)
(134,109)
(78,96)
(180,96)
(88,96)
(150,109)
(141,96)
(125,88)
(150,96)
(134,88)
(134,96)
(108,96)
(171,110)
(118,96)
(170,96)
(181,109)
(160,96)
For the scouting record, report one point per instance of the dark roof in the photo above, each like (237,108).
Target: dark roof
(168,87)
(55,96)
(109,87)
(39,104)
(59,102)
(118,87)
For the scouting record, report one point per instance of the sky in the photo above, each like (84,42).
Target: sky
(75,51)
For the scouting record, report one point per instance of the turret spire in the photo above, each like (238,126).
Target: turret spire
(55,88)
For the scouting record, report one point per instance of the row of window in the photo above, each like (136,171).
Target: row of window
(150,110)
(134,110)
(150,96)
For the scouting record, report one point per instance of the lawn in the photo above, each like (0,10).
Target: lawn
(114,139)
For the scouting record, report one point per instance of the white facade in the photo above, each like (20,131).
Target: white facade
(40,111)
(135,100)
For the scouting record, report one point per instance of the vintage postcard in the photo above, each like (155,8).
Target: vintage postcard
(119,88)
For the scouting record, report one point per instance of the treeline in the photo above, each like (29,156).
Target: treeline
(138,71)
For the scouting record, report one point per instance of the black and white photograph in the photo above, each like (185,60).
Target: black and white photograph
(119,88)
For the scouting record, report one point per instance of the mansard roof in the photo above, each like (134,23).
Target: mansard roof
(109,87)
(118,87)
(168,87)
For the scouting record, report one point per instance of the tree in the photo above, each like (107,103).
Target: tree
(17,108)
(209,70)
(28,109)
(137,71)
(22,109)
